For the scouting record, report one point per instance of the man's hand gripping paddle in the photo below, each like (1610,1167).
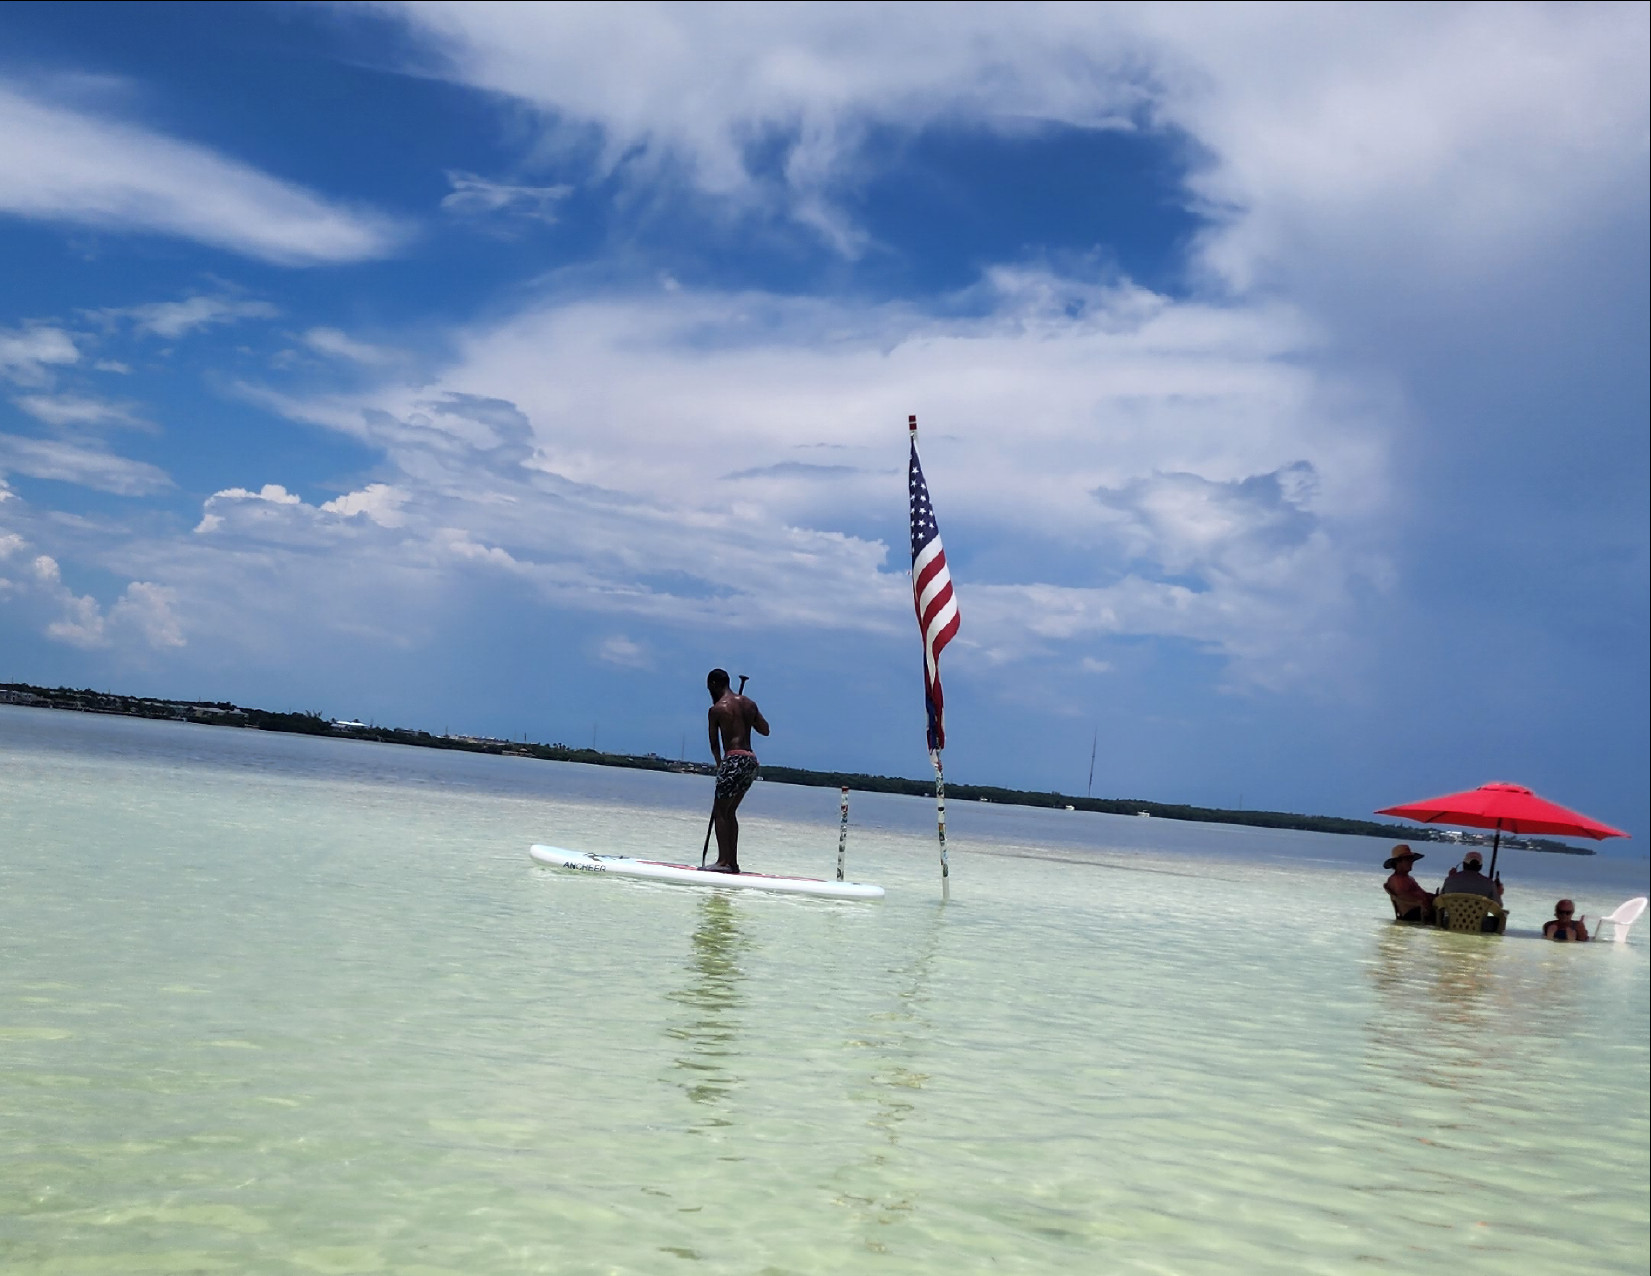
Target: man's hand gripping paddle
(712,822)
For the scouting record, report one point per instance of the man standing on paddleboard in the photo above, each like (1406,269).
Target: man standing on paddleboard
(729,724)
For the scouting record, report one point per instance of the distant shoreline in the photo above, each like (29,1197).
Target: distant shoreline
(224,714)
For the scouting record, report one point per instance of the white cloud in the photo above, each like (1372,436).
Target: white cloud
(623,652)
(173,319)
(474,196)
(379,502)
(640,457)
(143,613)
(88,467)
(26,354)
(147,608)
(80,620)
(63,165)
(332,342)
(241,504)
(76,409)
(1460,130)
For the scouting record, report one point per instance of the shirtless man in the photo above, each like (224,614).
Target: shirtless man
(729,724)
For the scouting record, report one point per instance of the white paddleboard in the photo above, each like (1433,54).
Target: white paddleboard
(688,875)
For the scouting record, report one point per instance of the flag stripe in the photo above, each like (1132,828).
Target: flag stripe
(941,600)
(933,588)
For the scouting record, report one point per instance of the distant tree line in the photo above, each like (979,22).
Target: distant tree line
(224,713)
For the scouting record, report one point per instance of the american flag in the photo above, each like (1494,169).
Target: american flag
(932,592)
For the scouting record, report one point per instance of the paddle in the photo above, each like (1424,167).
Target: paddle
(712,822)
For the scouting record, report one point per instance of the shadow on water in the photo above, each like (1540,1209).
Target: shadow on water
(899,1040)
(711,1029)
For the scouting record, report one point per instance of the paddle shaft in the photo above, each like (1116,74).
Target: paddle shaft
(712,822)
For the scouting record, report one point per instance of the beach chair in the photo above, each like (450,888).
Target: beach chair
(1473,913)
(1625,916)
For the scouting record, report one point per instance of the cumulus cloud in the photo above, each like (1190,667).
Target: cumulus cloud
(379,502)
(141,615)
(61,164)
(146,608)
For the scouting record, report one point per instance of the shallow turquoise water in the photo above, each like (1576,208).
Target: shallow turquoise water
(281,1005)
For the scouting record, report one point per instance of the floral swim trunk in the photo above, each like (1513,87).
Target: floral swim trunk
(734,774)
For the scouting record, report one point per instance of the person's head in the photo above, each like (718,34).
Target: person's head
(716,682)
(1473,861)
(1401,859)
(1564,909)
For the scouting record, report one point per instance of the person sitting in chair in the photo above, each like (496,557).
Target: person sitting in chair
(1470,879)
(1412,902)
(1562,927)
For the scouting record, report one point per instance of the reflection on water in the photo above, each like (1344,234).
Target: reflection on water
(710,1033)
(900,1039)
(1450,1007)
(1444,1006)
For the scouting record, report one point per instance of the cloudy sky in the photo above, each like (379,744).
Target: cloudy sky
(1282,376)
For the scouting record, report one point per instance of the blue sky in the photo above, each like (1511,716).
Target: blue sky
(1282,374)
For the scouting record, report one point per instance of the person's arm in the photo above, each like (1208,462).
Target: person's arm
(757,720)
(1582,928)
(714,734)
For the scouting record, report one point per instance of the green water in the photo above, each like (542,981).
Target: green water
(283,1016)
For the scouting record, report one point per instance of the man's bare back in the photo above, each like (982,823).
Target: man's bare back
(729,723)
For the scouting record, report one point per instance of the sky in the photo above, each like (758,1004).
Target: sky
(1281,375)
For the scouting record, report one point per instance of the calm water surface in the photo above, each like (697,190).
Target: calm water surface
(272,1004)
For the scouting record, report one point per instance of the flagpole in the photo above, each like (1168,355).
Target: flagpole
(842,834)
(934,756)
(940,813)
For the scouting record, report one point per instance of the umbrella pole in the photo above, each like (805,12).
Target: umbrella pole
(1495,846)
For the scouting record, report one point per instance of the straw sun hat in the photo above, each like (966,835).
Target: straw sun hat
(1402,852)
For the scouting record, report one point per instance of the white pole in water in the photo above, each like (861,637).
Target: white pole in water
(842,833)
(940,812)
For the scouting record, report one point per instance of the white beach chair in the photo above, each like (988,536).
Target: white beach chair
(1625,916)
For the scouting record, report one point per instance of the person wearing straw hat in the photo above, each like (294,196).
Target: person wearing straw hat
(1563,928)
(1412,902)
(1469,879)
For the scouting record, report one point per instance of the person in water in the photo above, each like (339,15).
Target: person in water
(1562,927)
(1470,879)
(729,724)
(1412,902)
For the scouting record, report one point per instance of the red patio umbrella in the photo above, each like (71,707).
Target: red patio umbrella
(1507,808)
